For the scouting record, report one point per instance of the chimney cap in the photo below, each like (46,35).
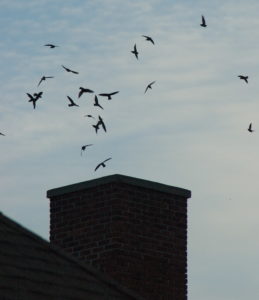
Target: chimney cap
(119,178)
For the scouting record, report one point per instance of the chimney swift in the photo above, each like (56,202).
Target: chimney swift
(148,38)
(84,90)
(34,98)
(51,46)
(149,86)
(203,24)
(135,51)
(245,78)
(250,128)
(84,147)
(96,127)
(72,103)
(109,95)
(44,78)
(89,116)
(102,164)
(96,103)
(69,70)
(100,122)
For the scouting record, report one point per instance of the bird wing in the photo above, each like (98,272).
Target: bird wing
(97,104)
(104,94)
(106,159)
(74,72)
(152,41)
(40,81)
(71,100)
(250,126)
(30,96)
(102,123)
(203,20)
(66,69)
(104,127)
(152,82)
(97,166)
(114,93)
(80,93)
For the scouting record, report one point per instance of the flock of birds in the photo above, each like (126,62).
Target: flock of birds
(82,90)
(34,97)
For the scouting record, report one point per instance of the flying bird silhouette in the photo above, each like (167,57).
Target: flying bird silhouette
(84,90)
(96,103)
(34,98)
(149,86)
(148,38)
(100,122)
(109,95)
(102,164)
(51,46)
(69,70)
(44,78)
(84,147)
(250,128)
(135,51)
(96,127)
(72,103)
(2,134)
(245,78)
(89,116)
(203,22)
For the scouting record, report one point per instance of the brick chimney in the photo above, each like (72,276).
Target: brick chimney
(132,229)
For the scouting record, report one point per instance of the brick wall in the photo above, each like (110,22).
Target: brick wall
(131,229)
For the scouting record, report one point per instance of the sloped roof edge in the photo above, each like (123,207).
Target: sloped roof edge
(96,273)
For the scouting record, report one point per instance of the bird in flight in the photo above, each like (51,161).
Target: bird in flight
(84,90)
(148,38)
(96,103)
(96,127)
(250,128)
(72,103)
(44,78)
(34,98)
(51,46)
(149,86)
(100,122)
(69,70)
(84,147)
(109,95)
(89,116)
(203,22)
(245,78)
(102,164)
(2,134)
(135,51)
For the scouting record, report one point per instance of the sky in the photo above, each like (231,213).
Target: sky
(189,130)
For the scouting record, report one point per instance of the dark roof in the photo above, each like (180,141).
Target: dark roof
(119,178)
(31,268)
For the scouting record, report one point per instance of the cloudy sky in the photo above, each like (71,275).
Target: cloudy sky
(189,131)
